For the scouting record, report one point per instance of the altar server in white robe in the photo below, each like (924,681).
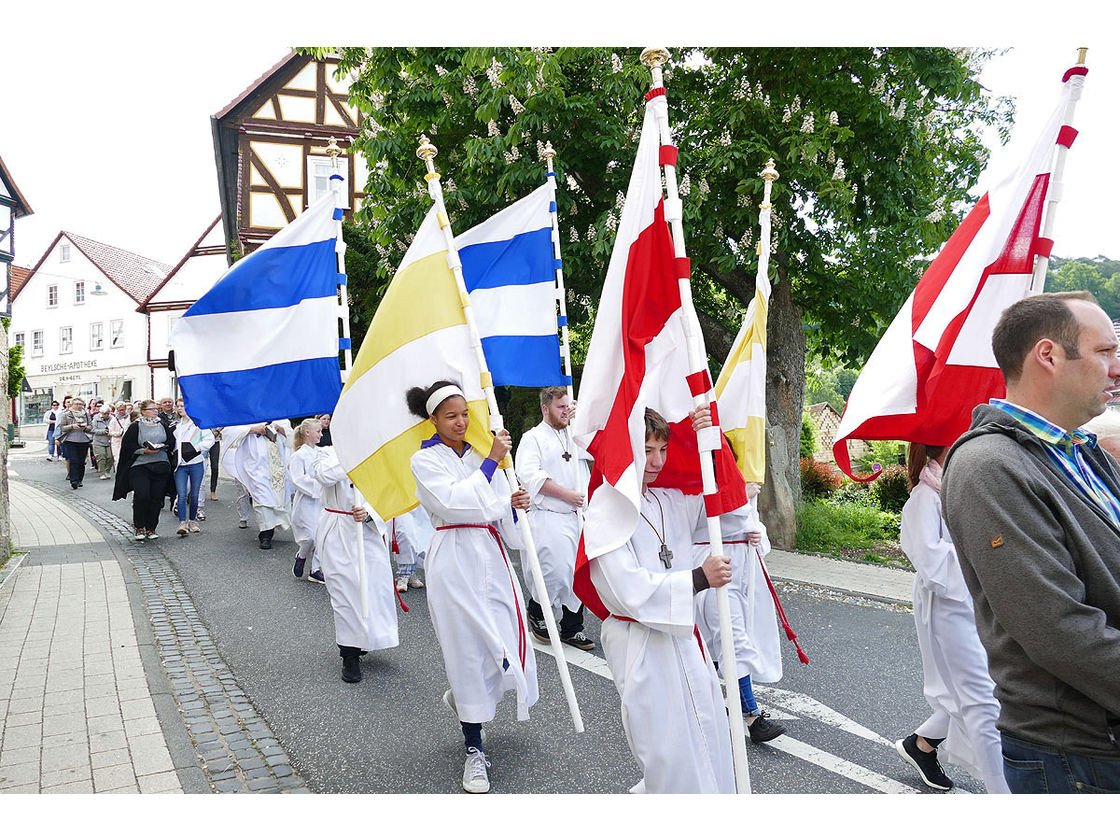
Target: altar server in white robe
(410,534)
(672,707)
(336,542)
(257,456)
(551,468)
(754,622)
(306,502)
(958,686)
(473,591)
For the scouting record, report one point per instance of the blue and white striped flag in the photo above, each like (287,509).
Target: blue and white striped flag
(510,272)
(263,343)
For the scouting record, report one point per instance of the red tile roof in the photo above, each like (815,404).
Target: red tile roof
(19,277)
(138,276)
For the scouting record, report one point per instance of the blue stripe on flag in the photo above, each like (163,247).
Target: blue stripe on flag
(343,343)
(273,278)
(337,215)
(557,264)
(340,280)
(520,261)
(531,361)
(239,397)
(561,320)
(552,207)
(551,174)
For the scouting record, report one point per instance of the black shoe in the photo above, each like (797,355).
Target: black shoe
(927,765)
(265,538)
(763,729)
(578,640)
(351,672)
(297,569)
(539,630)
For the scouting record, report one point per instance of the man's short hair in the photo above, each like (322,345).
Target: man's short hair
(551,393)
(657,427)
(1026,322)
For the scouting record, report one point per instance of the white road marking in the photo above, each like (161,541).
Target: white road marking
(806,706)
(839,766)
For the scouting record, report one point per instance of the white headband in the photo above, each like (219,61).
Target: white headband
(440,395)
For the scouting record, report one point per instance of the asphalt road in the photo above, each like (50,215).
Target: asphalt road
(391,733)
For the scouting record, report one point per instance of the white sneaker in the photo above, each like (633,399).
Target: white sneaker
(402,583)
(414,581)
(475,779)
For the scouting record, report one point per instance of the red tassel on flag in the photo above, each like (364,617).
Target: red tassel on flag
(804,657)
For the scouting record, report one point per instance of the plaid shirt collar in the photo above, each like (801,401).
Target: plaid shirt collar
(1046,431)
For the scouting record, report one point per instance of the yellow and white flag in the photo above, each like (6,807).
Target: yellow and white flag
(418,335)
(741,387)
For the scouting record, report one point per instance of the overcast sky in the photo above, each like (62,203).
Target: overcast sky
(109,137)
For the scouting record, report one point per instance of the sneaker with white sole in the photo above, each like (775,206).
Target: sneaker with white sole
(414,581)
(152,535)
(927,765)
(141,535)
(402,583)
(475,777)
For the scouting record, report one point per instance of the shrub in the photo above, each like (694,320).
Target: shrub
(808,437)
(859,492)
(892,488)
(817,479)
(827,525)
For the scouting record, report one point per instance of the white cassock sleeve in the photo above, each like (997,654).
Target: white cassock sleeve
(926,542)
(661,601)
(458,501)
(299,470)
(529,458)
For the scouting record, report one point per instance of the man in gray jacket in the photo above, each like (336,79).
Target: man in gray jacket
(1033,506)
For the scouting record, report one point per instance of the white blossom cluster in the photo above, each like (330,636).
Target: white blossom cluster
(838,173)
(512,155)
(786,115)
(611,222)
(880,86)
(572,185)
(745,242)
(590,232)
(743,200)
(616,63)
(493,73)
(446,99)
(833,118)
(795,106)
(382,251)
(725,138)
(718,231)
(469,87)
(807,124)
(573,236)
(855,192)
(441,71)
(899,112)
(540,150)
(515,105)
(704,188)
(830,158)
(685,186)
(492,129)
(619,199)
(743,89)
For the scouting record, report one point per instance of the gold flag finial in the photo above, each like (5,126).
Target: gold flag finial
(426,152)
(549,152)
(1081,51)
(333,149)
(654,56)
(769,173)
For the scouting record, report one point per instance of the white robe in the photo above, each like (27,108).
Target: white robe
(412,532)
(958,686)
(258,465)
(672,707)
(473,591)
(336,539)
(754,621)
(306,501)
(555,524)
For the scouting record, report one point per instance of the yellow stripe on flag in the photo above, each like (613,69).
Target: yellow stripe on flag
(741,390)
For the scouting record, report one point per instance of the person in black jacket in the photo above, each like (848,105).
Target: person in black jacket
(148,461)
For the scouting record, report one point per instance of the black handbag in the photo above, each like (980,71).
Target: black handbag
(189,452)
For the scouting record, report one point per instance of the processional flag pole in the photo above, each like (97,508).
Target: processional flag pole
(344,344)
(426,152)
(561,294)
(1054,194)
(654,57)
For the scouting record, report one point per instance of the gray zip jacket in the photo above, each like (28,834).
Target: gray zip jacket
(1042,563)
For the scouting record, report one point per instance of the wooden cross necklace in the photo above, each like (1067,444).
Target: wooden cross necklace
(665,554)
(567,456)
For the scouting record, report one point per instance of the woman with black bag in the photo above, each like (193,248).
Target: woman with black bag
(148,460)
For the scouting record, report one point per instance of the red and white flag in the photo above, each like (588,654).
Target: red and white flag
(935,363)
(638,358)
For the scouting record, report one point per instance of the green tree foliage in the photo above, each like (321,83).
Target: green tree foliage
(1101,276)
(808,437)
(877,149)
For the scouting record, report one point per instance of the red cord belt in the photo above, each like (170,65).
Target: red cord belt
(521,638)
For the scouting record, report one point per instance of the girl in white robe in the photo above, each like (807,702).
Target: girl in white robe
(958,686)
(306,502)
(337,546)
(754,622)
(474,594)
(673,711)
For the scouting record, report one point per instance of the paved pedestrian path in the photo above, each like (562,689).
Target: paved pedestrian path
(868,579)
(76,713)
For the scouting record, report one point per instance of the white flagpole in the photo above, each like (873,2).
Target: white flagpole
(426,152)
(561,295)
(1054,194)
(698,361)
(344,314)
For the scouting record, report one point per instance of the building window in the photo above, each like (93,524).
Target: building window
(319,171)
(52,295)
(80,291)
(64,253)
(37,343)
(97,336)
(116,334)
(66,340)
(19,339)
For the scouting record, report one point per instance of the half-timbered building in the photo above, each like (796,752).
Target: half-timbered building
(12,206)
(270,145)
